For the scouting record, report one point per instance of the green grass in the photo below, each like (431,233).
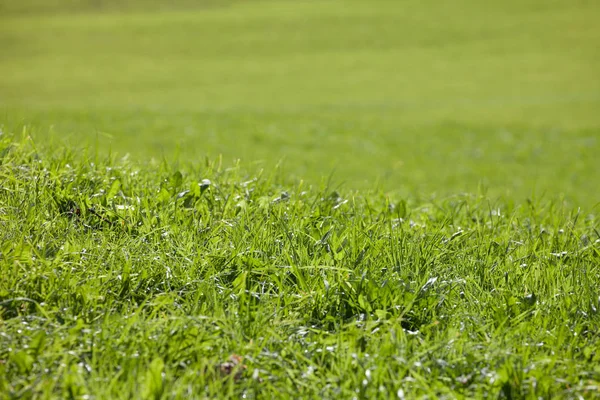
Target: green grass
(334,199)
(421,97)
(119,280)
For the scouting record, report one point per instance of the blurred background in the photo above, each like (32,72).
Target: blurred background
(414,97)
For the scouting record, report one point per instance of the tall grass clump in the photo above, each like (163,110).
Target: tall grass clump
(162,280)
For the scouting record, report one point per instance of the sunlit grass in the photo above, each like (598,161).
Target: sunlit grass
(421,97)
(299,199)
(120,280)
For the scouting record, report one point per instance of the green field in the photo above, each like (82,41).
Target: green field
(422,98)
(315,199)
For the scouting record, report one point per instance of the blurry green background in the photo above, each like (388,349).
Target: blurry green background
(416,97)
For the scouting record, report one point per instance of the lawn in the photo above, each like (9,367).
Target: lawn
(421,98)
(307,199)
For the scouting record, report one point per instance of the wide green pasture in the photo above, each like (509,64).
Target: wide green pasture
(299,199)
(424,97)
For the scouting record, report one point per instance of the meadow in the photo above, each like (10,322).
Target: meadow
(336,199)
